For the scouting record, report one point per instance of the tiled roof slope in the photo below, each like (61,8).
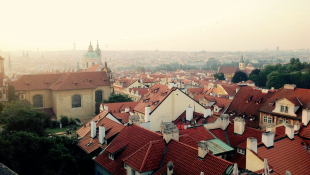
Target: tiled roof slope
(188,140)
(198,133)
(198,117)
(305,132)
(161,93)
(136,137)
(148,157)
(195,90)
(185,161)
(302,94)
(228,69)
(89,144)
(118,107)
(64,81)
(142,91)
(239,159)
(287,155)
(239,105)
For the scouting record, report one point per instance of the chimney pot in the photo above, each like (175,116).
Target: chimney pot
(252,144)
(189,113)
(203,149)
(297,126)
(147,113)
(306,115)
(239,125)
(127,109)
(101,108)
(224,120)
(93,129)
(106,107)
(271,127)
(170,168)
(101,134)
(268,138)
(289,131)
(169,131)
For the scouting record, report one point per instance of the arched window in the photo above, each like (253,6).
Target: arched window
(37,101)
(98,96)
(76,101)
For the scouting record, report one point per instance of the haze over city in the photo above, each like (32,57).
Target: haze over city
(164,25)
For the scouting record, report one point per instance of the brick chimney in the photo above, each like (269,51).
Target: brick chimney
(106,107)
(239,125)
(101,134)
(169,131)
(202,149)
(268,138)
(207,112)
(297,126)
(93,129)
(147,113)
(290,86)
(189,113)
(289,131)
(224,120)
(251,144)
(272,128)
(134,119)
(306,115)
(169,168)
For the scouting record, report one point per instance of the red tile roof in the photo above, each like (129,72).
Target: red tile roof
(286,155)
(93,68)
(64,81)
(126,82)
(228,69)
(305,132)
(239,105)
(195,90)
(89,144)
(198,119)
(185,161)
(157,93)
(240,160)
(136,137)
(198,133)
(188,140)
(148,157)
(142,91)
(118,107)
(124,117)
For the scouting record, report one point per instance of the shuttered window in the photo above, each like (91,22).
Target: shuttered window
(76,101)
(37,101)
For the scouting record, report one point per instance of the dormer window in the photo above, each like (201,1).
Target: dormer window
(286,109)
(111,156)
(155,90)
(282,108)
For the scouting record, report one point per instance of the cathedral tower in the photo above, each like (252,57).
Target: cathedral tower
(241,64)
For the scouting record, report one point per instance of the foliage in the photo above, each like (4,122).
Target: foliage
(1,108)
(11,93)
(219,76)
(255,72)
(140,68)
(239,76)
(64,120)
(115,98)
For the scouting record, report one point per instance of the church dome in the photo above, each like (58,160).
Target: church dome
(91,55)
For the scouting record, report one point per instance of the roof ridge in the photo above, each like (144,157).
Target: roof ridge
(128,157)
(146,155)
(148,130)
(56,80)
(63,80)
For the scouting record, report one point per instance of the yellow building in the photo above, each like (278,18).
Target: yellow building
(69,94)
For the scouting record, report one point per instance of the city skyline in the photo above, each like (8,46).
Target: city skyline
(167,26)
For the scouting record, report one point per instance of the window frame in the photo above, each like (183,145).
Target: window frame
(270,119)
(111,156)
(33,101)
(265,119)
(282,108)
(75,104)
(286,109)
(99,90)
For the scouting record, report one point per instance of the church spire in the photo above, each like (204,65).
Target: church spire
(90,48)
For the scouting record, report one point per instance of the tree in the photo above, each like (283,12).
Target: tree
(239,76)
(277,80)
(11,93)
(115,98)
(219,76)
(255,72)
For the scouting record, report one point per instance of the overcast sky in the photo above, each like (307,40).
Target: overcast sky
(148,25)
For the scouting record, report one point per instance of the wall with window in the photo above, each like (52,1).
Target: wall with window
(46,97)
(268,118)
(286,107)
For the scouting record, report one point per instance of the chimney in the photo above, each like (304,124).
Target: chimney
(306,115)
(207,112)
(101,108)
(169,168)
(290,86)
(272,128)
(106,107)
(202,149)
(101,134)
(289,131)
(171,85)
(237,90)
(134,119)
(147,113)
(93,129)
(189,113)
(239,125)
(251,144)
(169,131)
(224,120)
(297,126)
(202,173)
(268,138)
(127,109)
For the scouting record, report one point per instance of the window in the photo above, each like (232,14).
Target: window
(98,96)
(269,119)
(280,122)
(37,101)
(111,156)
(133,172)
(265,119)
(76,101)
(286,109)
(282,108)
(125,166)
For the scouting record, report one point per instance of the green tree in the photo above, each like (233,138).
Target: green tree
(277,80)
(239,76)
(219,76)
(115,98)
(11,93)
(255,72)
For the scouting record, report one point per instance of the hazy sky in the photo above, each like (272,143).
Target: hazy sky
(148,25)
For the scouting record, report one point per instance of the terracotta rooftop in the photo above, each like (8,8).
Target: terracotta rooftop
(120,106)
(228,69)
(198,133)
(142,91)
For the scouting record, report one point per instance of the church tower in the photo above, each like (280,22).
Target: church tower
(241,64)
(98,51)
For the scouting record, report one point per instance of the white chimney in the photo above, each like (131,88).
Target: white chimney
(93,129)
(202,173)
(127,109)
(106,107)
(169,168)
(297,126)
(268,138)
(289,131)
(202,149)
(171,85)
(239,125)
(207,112)
(147,113)
(306,116)
(272,128)
(224,120)
(290,86)
(252,144)
(101,108)
(101,134)
(237,90)
(189,113)
(169,131)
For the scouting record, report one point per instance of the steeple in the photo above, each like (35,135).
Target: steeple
(98,51)
(241,63)
(90,48)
